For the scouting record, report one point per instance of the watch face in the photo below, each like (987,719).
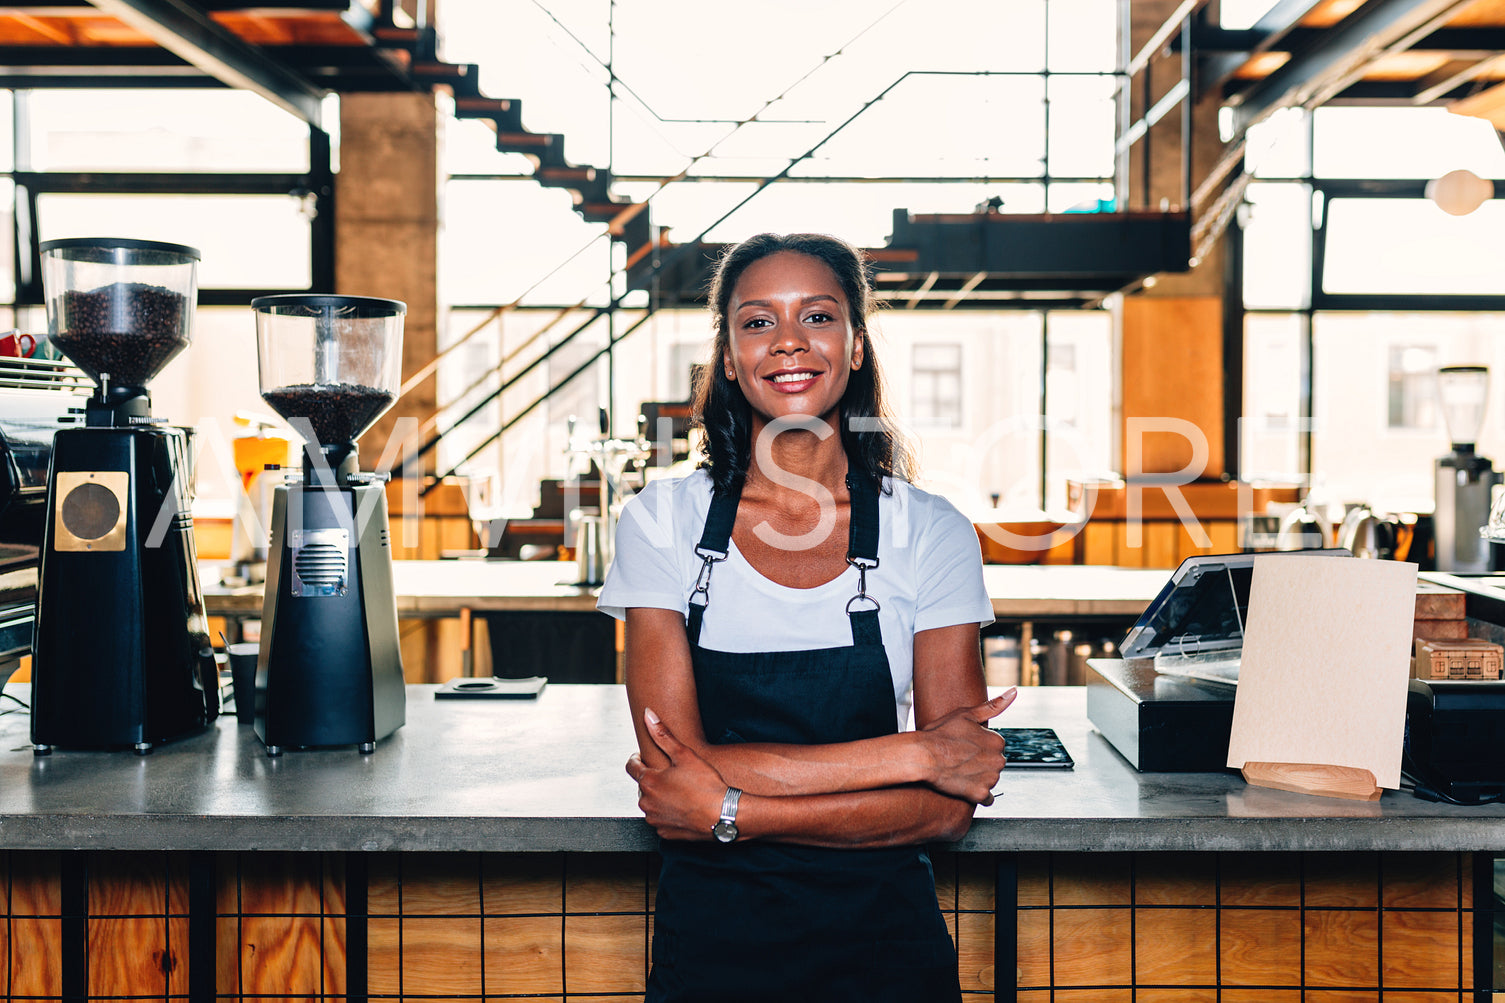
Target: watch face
(725,831)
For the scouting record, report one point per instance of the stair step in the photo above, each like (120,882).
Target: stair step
(600,212)
(523,142)
(565,177)
(480,106)
(393,35)
(460,78)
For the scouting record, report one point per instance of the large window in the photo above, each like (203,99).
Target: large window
(936,387)
(220,170)
(863,110)
(1358,288)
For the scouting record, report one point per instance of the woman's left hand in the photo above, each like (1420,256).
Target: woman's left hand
(681,800)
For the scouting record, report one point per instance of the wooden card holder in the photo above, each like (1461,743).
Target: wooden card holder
(1313,778)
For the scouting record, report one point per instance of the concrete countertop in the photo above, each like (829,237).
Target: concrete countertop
(547,775)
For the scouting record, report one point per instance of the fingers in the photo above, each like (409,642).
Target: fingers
(661,735)
(636,767)
(987,711)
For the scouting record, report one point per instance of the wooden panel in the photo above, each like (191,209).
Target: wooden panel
(524,954)
(1096,879)
(384,956)
(1033,947)
(1189,330)
(227,955)
(1341,947)
(523,882)
(1342,880)
(280,955)
(1259,879)
(974,951)
(1034,879)
(606,882)
(605,954)
(976,881)
(1175,947)
(1097,539)
(36,883)
(280,883)
(1421,950)
(1420,881)
(36,956)
(335,959)
(127,884)
(1224,533)
(130,957)
(1092,947)
(1125,555)
(1160,544)
(441,884)
(442,956)
(1260,947)
(1175,879)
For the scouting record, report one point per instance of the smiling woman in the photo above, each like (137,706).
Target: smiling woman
(792,808)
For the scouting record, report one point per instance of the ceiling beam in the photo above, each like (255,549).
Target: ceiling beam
(1453,75)
(1340,56)
(187,32)
(1272,29)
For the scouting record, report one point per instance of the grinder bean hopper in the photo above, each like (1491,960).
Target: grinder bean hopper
(121,656)
(329,669)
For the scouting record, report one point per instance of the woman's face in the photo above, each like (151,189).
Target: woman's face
(792,346)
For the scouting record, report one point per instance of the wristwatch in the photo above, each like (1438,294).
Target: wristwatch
(725,829)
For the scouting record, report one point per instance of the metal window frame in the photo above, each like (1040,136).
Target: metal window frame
(317,182)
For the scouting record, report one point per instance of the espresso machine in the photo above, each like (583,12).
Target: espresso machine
(329,668)
(121,657)
(1465,479)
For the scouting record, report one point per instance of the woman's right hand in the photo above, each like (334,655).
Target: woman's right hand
(966,756)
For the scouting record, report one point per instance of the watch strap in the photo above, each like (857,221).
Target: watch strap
(729,803)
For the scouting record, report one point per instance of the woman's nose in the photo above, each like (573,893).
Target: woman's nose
(790,340)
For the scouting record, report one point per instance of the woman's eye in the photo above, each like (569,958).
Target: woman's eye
(819,318)
(756,322)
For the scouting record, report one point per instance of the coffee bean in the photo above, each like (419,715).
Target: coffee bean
(129,330)
(338,412)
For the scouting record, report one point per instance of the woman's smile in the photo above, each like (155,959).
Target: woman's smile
(793,381)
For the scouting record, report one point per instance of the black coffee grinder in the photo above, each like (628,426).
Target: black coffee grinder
(121,656)
(329,670)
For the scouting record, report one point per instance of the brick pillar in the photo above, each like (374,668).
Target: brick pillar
(1171,335)
(387,231)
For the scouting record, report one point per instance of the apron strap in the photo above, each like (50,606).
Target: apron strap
(862,553)
(715,543)
(862,540)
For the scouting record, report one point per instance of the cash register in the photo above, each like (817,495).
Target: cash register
(1166,705)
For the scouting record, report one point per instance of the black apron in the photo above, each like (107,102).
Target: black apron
(758,921)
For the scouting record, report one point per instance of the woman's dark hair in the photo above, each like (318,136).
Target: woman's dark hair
(722,410)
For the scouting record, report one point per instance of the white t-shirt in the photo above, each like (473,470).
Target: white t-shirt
(929,575)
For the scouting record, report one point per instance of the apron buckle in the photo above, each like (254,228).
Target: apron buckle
(703,580)
(862,564)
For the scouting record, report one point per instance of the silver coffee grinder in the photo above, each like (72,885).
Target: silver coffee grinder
(329,668)
(1465,479)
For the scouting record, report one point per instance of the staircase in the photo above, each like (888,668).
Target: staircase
(628,222)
